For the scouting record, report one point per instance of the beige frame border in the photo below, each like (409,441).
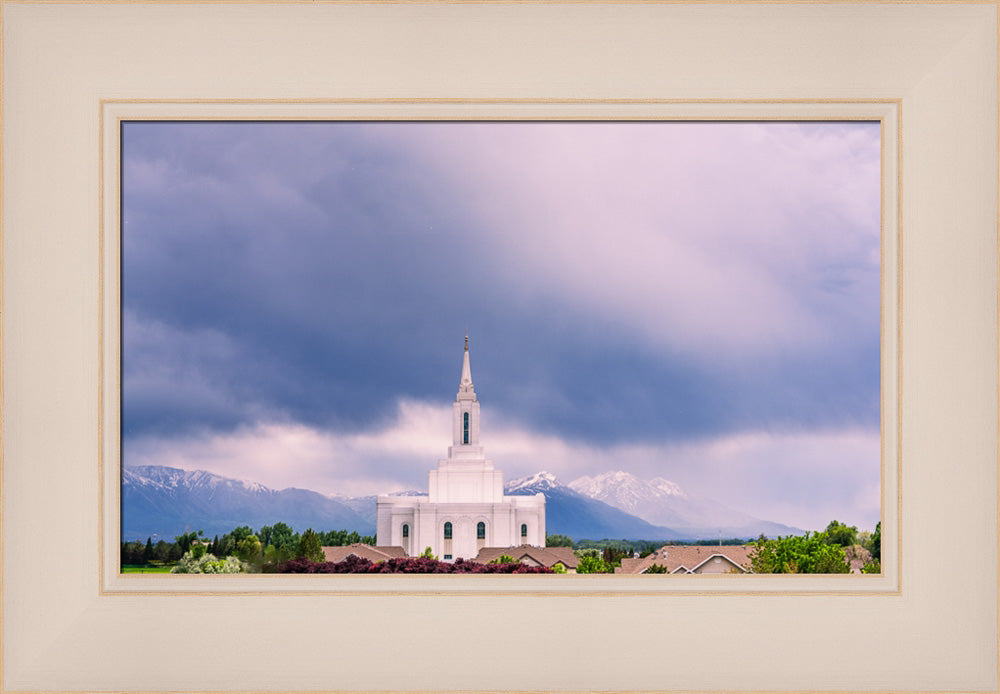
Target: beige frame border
(938,60)
(114,112)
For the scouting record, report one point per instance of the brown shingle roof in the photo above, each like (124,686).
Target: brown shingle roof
(544,556)
(685,558)
(336,554)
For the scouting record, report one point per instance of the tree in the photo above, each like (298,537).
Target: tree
(249,548)
(809,553)
(839,534)
(657,569)
(504,559)
(241,533)
(147,553)
(590,564)
(161,551)
(428,554)
(558,541)
(876,542)
(283,537)
(310,546)
(185,540)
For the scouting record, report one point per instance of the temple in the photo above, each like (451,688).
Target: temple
(465,508)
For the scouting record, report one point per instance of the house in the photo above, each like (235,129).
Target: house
(375,554)
(532,556)
(465,508)
(692,559)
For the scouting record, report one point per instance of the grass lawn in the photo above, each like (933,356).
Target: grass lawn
(145,569)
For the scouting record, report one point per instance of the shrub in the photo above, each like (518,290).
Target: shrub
(872,567)
(207,564)
(408,565)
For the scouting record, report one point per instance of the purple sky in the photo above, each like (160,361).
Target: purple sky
(697,301)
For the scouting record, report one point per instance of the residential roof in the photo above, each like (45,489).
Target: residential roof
(336,554)
(687,558)
(544,556)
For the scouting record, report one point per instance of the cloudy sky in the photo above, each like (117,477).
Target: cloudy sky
(697,301)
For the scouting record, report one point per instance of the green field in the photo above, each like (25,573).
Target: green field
(145,569)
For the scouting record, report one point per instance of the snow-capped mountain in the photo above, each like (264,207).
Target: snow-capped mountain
(568,512)
(627,492)
(532,484)
(168,501)
(662,502)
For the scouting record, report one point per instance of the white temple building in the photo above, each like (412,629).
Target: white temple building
(465,508)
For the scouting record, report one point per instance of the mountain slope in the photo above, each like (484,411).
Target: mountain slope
(662,502)
(568,512)
(168,501)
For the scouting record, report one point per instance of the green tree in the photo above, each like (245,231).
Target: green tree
(657,569)
(590,564)
(147,552)
(809,553)
(876,542)
(283,537)
(839,534)
(185,540)
(161,551)
(249,548)
(241,533)
(428,554)
(558,541)
(504,559)
(310,546)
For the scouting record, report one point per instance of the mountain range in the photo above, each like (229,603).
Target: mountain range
(165,501)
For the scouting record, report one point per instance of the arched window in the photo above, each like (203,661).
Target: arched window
(406,530)
(465,435)
(481,531)
(447,530)
(524,531)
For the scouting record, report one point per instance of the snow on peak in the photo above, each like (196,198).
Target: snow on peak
(624,490)
(540,481)
(667,487)
(162,477)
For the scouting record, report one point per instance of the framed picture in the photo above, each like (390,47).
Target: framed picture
(74,105)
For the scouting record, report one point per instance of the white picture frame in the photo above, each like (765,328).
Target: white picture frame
(929,70)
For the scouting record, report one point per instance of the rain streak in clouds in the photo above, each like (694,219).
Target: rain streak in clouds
(698,301)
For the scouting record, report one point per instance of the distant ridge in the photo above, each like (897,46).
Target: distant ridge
(568,512)
(167,501)
(662,502)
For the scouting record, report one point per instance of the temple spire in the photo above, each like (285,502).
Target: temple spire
(465,385)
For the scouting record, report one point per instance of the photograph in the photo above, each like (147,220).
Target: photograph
(474,346)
